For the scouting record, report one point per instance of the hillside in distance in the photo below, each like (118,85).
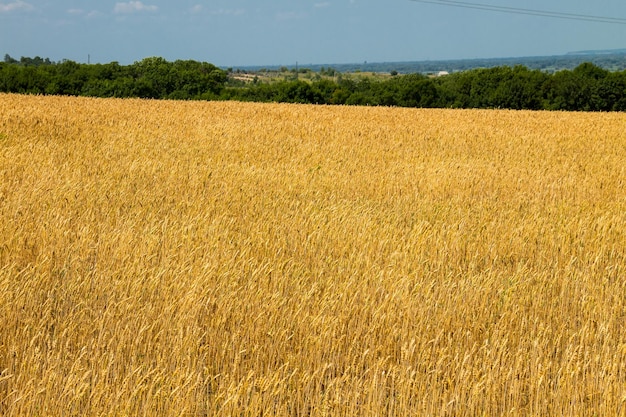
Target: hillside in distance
(612,60)
(599,52)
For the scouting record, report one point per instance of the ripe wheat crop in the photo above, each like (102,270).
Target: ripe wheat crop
(228,259)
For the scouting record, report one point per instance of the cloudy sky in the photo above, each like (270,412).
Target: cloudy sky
(282,32)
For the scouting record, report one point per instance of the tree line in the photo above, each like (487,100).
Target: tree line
(149,78)
(585,88)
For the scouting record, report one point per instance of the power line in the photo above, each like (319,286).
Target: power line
(531,12)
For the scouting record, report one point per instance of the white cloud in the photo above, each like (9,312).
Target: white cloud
(322,4)
(197,8)
(134,6)
(15,6)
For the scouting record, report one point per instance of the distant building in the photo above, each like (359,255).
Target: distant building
(442,73)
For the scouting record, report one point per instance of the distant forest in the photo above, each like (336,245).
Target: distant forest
(587,87)
(612,60)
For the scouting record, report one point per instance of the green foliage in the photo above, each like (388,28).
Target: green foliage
(500,87)
(150,78)
(586,87)
(9,60)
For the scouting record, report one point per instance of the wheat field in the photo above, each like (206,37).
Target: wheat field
(163,258)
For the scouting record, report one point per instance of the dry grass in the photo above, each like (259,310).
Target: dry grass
(227,259)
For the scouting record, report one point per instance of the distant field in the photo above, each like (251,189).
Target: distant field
(271,76)
(162,258)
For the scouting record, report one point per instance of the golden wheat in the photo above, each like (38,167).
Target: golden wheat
(227,259)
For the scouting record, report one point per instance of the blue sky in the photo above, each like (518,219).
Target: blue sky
(283,32)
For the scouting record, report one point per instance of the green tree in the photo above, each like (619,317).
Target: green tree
(413,90)
(9,60)
(326,88)
(297,92)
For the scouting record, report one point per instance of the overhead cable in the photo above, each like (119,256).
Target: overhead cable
(531,12)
